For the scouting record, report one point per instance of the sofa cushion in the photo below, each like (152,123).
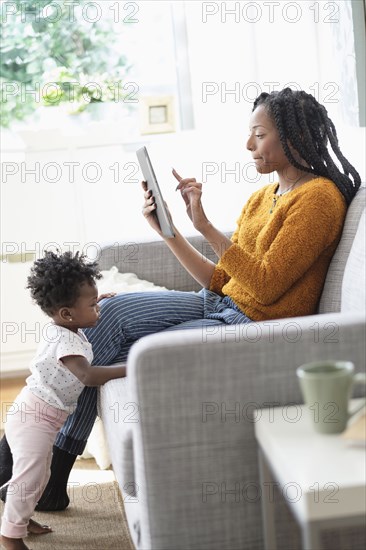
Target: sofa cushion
(331,297)
(354,280)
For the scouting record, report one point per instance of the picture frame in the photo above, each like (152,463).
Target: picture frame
(157,115)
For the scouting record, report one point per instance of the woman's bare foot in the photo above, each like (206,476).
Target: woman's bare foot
(37,529)
(13,544)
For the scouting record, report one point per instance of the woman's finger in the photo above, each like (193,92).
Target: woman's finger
(191,191)
(185,182)
(144,185)
(176,175)
(149,202)
(148,209)
(192,185)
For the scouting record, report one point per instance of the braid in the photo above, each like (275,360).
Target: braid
(304,123)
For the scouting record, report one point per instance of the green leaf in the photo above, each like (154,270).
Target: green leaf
(64,50)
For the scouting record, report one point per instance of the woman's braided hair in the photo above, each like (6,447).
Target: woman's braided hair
(305,124)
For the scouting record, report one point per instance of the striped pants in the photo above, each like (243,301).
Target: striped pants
(125,319)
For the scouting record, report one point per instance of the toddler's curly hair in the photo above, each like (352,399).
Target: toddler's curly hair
(55,279)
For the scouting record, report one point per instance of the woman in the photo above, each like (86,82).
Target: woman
(273,266)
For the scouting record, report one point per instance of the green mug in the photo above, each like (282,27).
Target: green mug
(326,388)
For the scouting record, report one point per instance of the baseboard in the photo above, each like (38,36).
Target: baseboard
(14,364)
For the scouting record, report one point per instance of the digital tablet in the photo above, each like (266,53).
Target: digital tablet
(153,186)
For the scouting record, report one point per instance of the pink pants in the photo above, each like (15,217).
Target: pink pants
(31,427)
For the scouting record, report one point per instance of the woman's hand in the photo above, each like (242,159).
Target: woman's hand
(149,209)
(191,192)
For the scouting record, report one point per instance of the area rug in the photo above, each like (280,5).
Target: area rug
(95,518)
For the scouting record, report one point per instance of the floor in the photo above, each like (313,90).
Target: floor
(98,489)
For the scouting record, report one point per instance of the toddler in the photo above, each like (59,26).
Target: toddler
(63,285)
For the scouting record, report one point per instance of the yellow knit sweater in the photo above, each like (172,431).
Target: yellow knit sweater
(278,261)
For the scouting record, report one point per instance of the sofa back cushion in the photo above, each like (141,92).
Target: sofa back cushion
(331,297)
(354,279)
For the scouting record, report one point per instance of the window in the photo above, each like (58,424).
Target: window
(81,54)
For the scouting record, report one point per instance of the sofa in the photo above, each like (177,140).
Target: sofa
(180,427)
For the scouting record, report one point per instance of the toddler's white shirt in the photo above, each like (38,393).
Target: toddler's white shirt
(50,379)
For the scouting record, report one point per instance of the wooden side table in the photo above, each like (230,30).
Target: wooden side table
(322,477)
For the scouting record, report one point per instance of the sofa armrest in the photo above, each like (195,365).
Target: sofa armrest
(195,455)
(154,262)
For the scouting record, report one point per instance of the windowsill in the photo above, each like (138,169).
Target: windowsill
(93,134)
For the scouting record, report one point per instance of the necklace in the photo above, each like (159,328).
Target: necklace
(276,197)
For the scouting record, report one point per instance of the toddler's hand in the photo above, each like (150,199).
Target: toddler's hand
(107,295)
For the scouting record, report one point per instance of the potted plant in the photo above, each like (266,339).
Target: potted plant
(49,59)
